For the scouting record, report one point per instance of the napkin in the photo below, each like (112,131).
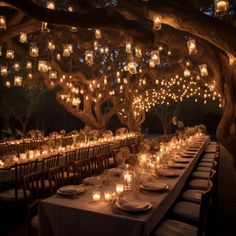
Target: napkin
(167,173)
(130,203)
(71,189)
(153,185)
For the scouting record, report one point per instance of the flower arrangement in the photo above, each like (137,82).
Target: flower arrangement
(121,131)
(122,155)
(35,134)
(62,132)
(150,146)
(178,123)
(107,134)
(189,131)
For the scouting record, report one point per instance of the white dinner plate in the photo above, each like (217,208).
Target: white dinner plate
(122,207)
(70,190)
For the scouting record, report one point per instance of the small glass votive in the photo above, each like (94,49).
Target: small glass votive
(96,196)
(119,188)
(108,195)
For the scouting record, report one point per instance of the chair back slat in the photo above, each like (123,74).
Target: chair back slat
(22,169)
(83,153)
(82,169)
(56,178)
(70,157)
(50,162)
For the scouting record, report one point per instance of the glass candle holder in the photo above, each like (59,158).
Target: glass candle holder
(119,188)
(96,196)
(108,195)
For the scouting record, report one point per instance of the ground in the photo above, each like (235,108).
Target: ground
(223,221)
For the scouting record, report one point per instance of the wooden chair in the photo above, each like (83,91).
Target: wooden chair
(106,148)
(179,228)
(50,162)
(134,148)
(70,159)
(56,176)
(102,162)
(34,192)
(82,170)
(83,153)
(20,169)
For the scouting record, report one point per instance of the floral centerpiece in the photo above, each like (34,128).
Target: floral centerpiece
(150,146)
(35,134)
(107,134)
(121,131)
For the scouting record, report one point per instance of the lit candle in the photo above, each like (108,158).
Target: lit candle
(96,196)
(108,196)
(22,156)
(15,159)
(31,154)
(127,178)
(119,188)
(1,163)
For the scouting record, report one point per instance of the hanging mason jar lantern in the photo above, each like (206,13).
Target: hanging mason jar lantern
(52,75)
(67,50)
(3,24)
(192,47)
(70,8)
(152,64)
(8,84)
(89,57)
(30,76)
(28,65)
(58,56)
(10,54)
(138,52)
(203,70)
(132,68)
(50,4)
(106,50)
(98,34)
(187,73)
(157,22)
(155,57)
(34,51)
(74,29)
(44,27)
(76,101)
(221,7)
(18,81)
(95,45)
(23,37)
(42,66)
(51,45)
(232,59)
(4,71)
(102,50)
(16,66)
(128,47)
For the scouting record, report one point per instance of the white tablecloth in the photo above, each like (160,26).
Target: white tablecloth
(62,216)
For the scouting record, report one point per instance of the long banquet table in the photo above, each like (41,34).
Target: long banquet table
(59,216)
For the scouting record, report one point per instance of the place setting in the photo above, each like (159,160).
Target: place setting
(71,191)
